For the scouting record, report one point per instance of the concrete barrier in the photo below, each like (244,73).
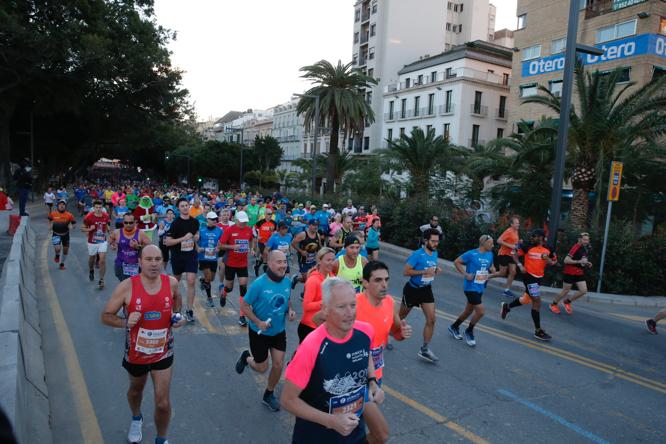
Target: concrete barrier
(23,392)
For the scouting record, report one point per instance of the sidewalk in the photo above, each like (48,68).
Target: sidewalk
(6,239)
(616,299)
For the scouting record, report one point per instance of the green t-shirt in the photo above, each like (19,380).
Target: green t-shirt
(132,201)
(252,214)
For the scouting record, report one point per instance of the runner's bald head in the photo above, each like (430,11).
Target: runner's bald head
(276,255)
(149,249)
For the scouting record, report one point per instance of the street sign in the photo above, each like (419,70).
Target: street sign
(614,182)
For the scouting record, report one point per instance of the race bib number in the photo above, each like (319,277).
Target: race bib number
(351,402)
(130,269)
(481,277)
(534,290)
(151,342)
(55,240)
(241,245)
(146,218)
(99,237)
(187,245)
(209,253)
(378,356)
(284,248)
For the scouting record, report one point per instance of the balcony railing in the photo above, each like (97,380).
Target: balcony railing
(464,73)
(596,8)
(501,113)
(389,117)
(445,110)
(478,110)
(365,15)
(364,38)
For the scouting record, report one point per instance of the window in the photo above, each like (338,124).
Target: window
(355,59)
(402,132)
(368,97)
(449,73)
(501,112)
(448,26)
(616,31)
(528,90)
(449,6)
(531,52)
(403,109)
(391,106)
(555,87)
(455,8)
(522,21)
(371,53)
(433,76)
(477,102)
(505,78)
(431,104)
(558,45)
(420,79)
(408,82)
(461,8)
(356,37)
(357,15)
(448,105)
(625,74)
(428,128)
(459,28)
(389,134)
(374,6)
(662,26)
(371,72)
(417,102)
(447,130)
(475,134)
(500,133)
(658,73)
(366,143)
(373,30)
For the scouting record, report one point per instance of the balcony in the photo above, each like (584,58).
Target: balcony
(501,113)
(445,110)
(365,15)
(595,8)
(389,117)
(442,77)
(364,38)
(362,61)
(478,110)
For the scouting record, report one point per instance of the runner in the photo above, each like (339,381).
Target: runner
(96,224)
(575,264)
(327,380)
(127,241)
(266,306)
(477,267)
(208,248)
(432,225)
(263,230)
(421,267)
(252,212)
(350,265)
(49,199)
(375,306)
(537,256)
(307,243)
(312,291)
(182,237)
(60,222)
(153,302)
(651,324)
(238,241)
(338,241)
(119,211)
(372,242)
(509,242)
(349,210)
(281,240)
(162,228)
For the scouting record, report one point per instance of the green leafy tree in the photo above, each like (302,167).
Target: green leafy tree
(342,104)
(266,153)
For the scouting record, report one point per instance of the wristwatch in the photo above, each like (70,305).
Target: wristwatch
(372,378)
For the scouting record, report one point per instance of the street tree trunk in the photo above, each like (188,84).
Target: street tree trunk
(333,153)
(579,208)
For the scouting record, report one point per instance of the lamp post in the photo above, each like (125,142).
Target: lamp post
(316,136)
(565,111)
(189,159)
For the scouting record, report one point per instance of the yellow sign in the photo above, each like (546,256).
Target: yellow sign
(615,181)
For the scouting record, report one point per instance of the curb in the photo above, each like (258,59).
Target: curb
(22,373)
(606,298)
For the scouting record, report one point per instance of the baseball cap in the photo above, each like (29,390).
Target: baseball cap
(211,215)
(62,201)
(351,240)
(282,224)
(313,222)
(313,207)
(241,216)
(325,206)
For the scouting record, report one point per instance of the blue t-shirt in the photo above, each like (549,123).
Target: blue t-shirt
(282,243)
(373,238)
(322,217)
(420,260)
(297,227)
(477,264)
(208,240)
(269,299)
(120,212)
(79,193)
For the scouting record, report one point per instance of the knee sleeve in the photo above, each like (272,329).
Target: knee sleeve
(525,299)
(243,290)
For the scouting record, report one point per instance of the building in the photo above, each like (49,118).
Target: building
(504,37)
(235,130)
(288,130)
(217,130)
(388,34)
(461,94)
(258,127)
(631,32)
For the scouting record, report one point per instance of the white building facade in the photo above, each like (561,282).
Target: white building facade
(462,94)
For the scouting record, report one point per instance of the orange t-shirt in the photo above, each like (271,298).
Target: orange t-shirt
(510,236)
(535,264)
(381,319)
(312,297)
(194,211)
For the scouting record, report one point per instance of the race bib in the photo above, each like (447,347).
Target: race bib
(378,356)
(534,290)
(481,277)
(130,269)
(351,402)
(241,245)
(187,245)
(209,253)
(284,248)
(99,237)
(151,342)
(146,218)
(55,240)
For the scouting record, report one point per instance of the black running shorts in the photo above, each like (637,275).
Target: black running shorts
(415,296)
(261,343)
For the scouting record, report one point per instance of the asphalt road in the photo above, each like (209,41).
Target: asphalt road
(601,379)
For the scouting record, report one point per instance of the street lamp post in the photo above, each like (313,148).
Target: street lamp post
(316,137)
(565,110)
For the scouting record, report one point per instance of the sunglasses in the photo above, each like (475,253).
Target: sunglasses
(128,223)
(486,237)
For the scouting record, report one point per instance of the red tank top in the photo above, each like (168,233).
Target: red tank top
(151,339)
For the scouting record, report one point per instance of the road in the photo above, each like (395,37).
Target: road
(601,379)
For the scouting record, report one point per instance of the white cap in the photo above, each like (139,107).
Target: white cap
(211,215)
(241,216)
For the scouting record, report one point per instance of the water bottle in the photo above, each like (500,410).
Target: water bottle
(176,318)
(268,321)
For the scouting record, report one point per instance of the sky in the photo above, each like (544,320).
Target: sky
(242,54)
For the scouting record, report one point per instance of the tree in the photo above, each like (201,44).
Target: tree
(342,104)
(267,153)
(608,121)
(421,155)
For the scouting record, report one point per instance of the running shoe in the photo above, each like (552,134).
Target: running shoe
(56,259)
(651,325)
(542,335)
(301,296)
(242,321)
(554,308)
(427,355)
(294,281)
(508,293)
(135,435)
(256,268)
(189,315)
(223,299)
(209,302)
(101,283)
(469,338)
(202,287)
(271,402)
(62,266)
(389,346)
(567,308)
(504,310)
(455,332)
(91,275)
(242,361)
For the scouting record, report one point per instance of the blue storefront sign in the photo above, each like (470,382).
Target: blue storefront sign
(643,44)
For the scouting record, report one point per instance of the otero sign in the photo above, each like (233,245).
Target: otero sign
(644,44)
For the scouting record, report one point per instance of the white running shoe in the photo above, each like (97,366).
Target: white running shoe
(135,435)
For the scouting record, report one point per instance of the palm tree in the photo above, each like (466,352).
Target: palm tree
(342,104)
(609,120)
(421,155)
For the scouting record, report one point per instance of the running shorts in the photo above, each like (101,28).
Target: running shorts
(60,239)
(415,296)
(303,331)
(473,297)
(93,249)
(208,265)
(138,370)
(504,260)
(183,264)
(260,344)
(231,272)
(573,278)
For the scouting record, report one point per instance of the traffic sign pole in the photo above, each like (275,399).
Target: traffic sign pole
(614,183)
(603,249)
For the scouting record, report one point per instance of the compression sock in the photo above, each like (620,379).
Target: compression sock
(160,440)
(267,393)
(243,290)
(137,418)
(457,323)
(567,301)
(424,346)
(207,288)
(470,327)
(515,303)
(536,317)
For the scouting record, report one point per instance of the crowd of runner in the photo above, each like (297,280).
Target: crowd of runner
(333,381)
